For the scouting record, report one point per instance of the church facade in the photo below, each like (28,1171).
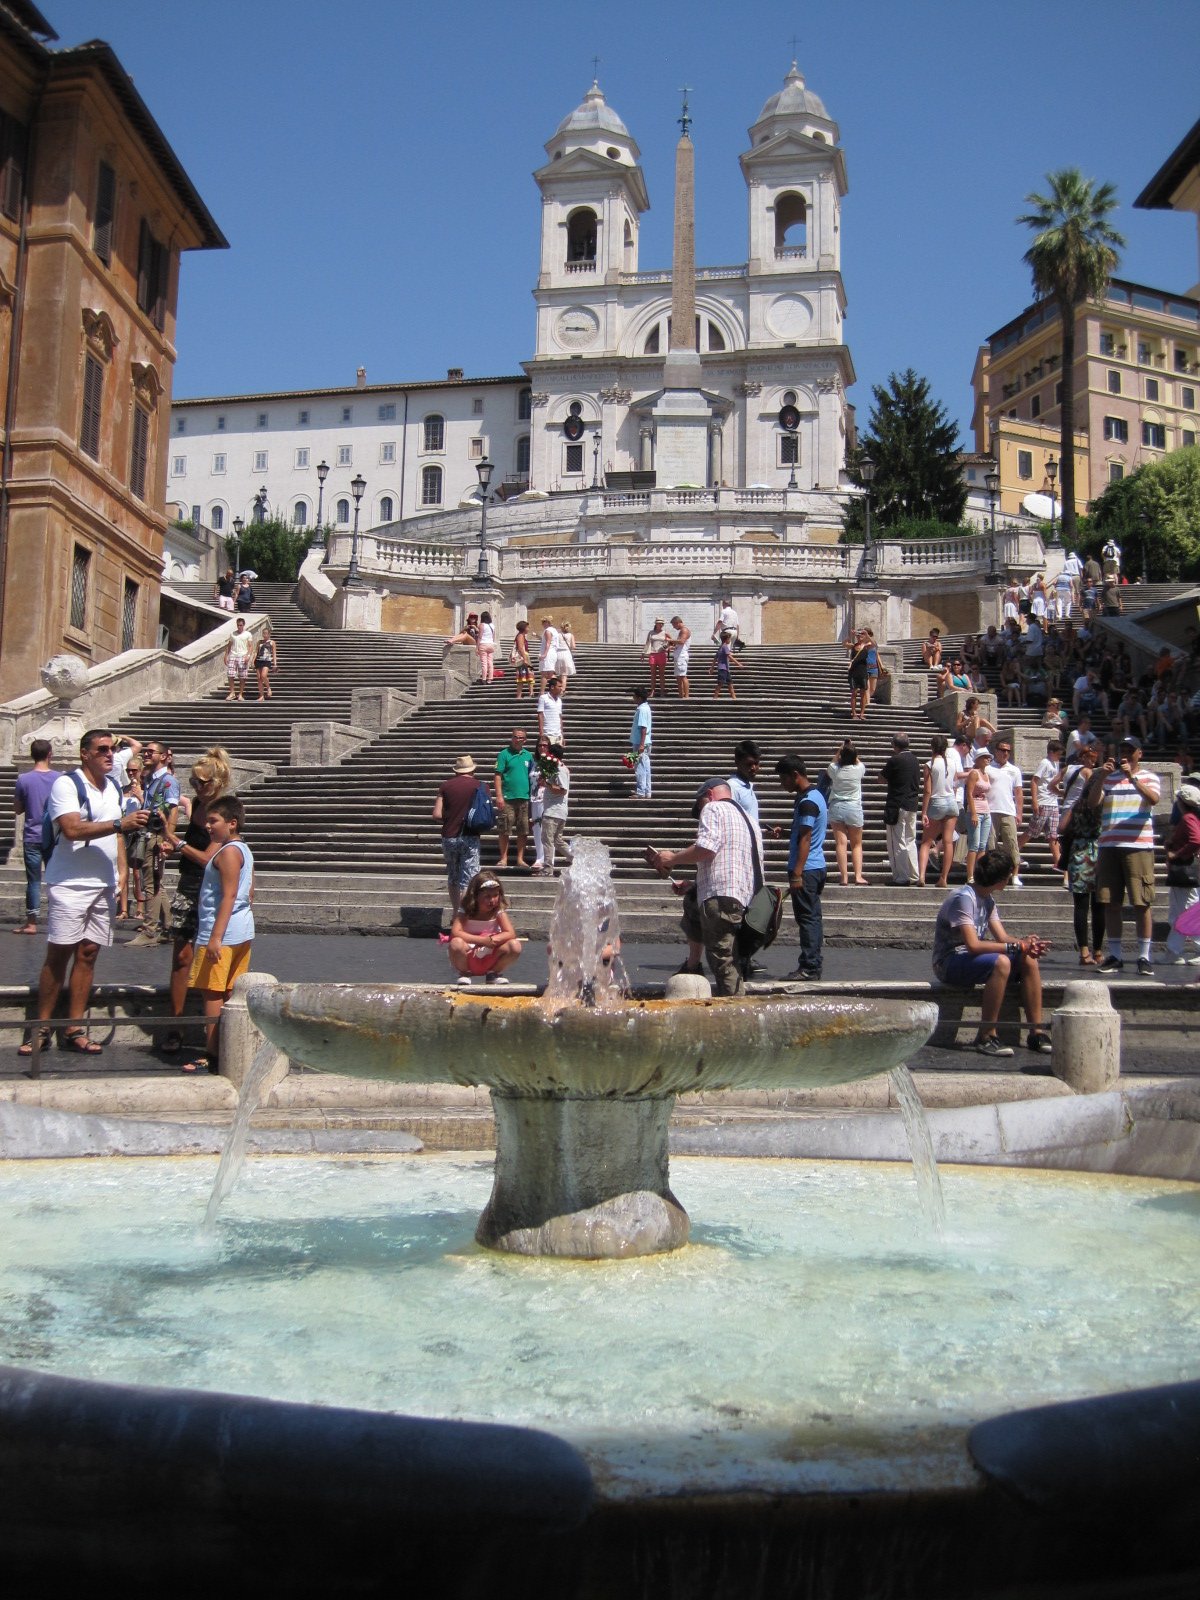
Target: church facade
(586,412)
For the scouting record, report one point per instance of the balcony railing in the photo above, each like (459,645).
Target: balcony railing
(791,252)
(580,266)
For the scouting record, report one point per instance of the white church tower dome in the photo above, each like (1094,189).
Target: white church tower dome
(794,108)
(595,126)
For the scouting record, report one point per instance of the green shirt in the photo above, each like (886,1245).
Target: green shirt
(513,767)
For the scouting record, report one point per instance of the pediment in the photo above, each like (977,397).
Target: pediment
(100,333)
(147,383)
(793,146)
(589,165)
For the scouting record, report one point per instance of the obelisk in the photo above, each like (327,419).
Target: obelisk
(682,414)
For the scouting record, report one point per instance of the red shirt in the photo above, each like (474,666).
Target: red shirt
(456,795)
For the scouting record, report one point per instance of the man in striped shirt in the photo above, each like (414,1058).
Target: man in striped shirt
(723,853)
(1125,864)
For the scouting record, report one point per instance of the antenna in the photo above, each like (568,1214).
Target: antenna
(685,121)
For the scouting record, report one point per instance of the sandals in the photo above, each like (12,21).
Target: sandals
(200,1064)
(26,1047)
(76,1042)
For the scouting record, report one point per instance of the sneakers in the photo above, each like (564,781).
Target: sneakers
(1040,1042)
(803,975)
(495,977)
(1015,883)
(144,938)
(1169,960)
(991,1046)
(692,972)
(464,982)
(1145,967)
(1110,964)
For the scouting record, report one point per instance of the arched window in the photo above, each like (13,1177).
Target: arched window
(581,235)
(791,225)
(386,509)
(524,405)
(435,432)
(343,511)
(216,518)
(431,486)
(523,456)
(300,515)
(716,339)
(653,341)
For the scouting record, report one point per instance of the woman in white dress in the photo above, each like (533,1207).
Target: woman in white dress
(681,646)
(566,655)
(552,643)
(939,812)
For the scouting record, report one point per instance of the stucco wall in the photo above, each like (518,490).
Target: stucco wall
(416,613)
(798,622)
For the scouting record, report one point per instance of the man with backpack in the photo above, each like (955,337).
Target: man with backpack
(83,818)
(30,798)
(460,847)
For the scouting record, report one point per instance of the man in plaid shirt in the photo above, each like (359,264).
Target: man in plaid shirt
(723,855)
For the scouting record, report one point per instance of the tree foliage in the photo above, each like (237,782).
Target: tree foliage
(1072,257)
(272,549)
(914,446)
(1159,503)
(910,528)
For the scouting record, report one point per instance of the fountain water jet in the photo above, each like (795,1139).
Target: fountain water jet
(583,1081)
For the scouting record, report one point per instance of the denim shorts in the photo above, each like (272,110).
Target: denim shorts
(965,971)
(847,813)
(940,808)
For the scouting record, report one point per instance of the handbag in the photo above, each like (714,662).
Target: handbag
(481,814)
(1181,875)
(761,918)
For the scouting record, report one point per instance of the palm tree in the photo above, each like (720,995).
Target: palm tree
(1072,258)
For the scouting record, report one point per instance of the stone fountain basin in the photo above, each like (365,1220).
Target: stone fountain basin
(643,1049)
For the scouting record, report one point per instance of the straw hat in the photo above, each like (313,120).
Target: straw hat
(464,764)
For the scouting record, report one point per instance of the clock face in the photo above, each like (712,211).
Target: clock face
(577,328)
(789,316)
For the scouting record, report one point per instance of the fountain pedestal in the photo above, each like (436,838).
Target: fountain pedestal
(582,1177)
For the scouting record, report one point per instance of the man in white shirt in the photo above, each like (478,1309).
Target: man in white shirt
(1078,737)
(1006,800)
(550,724)
(727,622)
(554,809)
(81,878)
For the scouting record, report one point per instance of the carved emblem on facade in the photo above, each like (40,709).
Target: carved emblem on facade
(616,396)
(146,383)
(747,390)
(100,333)
(537,399)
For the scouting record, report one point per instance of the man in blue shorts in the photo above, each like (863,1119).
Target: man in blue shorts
(970,947)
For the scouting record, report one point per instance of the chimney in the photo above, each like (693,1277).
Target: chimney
(360,378)
(454,374)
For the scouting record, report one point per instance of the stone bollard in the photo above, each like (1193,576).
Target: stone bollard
(240,1039)
(687,986)
(1086,1031)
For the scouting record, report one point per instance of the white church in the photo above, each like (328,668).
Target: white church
(677,435)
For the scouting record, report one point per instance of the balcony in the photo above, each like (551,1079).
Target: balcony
(791,252)
(580,266)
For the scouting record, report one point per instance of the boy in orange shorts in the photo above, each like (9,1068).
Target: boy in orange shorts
(226,919)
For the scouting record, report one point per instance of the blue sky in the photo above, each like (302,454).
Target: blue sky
(370,162)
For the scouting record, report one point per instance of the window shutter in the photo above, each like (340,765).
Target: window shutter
(12,165)
(106,199)
(140,455)
(93,392)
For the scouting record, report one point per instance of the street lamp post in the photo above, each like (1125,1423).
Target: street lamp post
(1146,522)
(322,474)
(866,570)
(260,505)
(991,482)
(484,468)
(1052,474)
(238,528)
(791,483)
(358,486)
(596,459)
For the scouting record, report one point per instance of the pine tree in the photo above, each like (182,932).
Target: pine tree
(914,446)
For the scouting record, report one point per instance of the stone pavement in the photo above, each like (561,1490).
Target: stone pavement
(367,958)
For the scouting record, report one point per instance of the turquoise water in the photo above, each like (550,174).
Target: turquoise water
(815,1333)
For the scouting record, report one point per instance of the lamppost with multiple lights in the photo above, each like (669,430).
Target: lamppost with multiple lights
(260,505)
(991,482)
(358,487)
(1052,474)
(596,459)
(238,529)
(484,468)
(322,474)
(866,570)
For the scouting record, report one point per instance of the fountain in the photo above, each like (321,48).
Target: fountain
(583,1080)
(804,1401)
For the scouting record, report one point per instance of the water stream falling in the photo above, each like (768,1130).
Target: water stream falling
(920,1146)
(234,1153)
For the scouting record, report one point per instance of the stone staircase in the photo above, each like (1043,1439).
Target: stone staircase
(353,846)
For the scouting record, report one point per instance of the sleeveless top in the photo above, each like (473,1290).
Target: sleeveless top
(983,785)
(940,787)
(191,872)
(487,636)
(241,920)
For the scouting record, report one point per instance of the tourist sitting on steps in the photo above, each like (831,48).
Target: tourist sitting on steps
(970,947)
(482,939)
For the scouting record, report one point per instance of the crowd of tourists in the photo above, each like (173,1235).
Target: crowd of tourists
(102,834)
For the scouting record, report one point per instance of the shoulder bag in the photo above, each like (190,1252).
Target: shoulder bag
(761,918)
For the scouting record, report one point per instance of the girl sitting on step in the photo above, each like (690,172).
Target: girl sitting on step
(482,939)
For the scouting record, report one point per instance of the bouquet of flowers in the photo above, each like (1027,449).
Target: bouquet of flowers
(630,759)
(547,768)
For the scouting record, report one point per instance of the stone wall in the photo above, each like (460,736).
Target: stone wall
(583,616)
(416,613)
(798,622)
(955,611)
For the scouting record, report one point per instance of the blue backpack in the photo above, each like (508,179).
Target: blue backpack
(50,833)
(481,814)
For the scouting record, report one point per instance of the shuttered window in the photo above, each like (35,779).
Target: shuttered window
(12,165)
(129,615)
(93,394)
(79,587)
(153,261)
(106,200)
(140,453)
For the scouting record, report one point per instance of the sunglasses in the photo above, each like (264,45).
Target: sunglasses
(102,749)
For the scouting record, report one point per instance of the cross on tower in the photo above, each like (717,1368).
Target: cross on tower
(596,69)
(685,120)
(795,48)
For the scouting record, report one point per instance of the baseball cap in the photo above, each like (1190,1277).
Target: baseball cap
(1130,742)
(705,788)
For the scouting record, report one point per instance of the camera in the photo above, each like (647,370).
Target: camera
(156,822)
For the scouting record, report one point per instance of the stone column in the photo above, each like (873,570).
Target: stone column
(646,438)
